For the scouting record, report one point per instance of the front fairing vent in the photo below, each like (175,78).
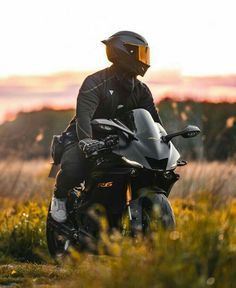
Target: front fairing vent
(157,164)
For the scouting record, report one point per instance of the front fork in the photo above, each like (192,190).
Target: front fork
(128,199)
(134,208)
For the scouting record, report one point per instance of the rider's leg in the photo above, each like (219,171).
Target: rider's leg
(73,172)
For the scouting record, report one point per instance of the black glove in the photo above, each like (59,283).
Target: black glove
(90,146)
(111,141)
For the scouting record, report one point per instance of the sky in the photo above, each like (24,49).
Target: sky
(41,37)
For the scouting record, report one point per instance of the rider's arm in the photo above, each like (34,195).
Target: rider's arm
(147,103)
(87,103)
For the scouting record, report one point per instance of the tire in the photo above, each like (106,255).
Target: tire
(157,210)
(56,243)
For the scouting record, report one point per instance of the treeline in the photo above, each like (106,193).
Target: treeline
(29,135)
(217,122)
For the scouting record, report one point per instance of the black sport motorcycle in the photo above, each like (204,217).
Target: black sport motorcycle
(132,173)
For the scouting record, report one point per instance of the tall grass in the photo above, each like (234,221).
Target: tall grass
(22,232)
(27,180)
(218,178)
(201,252)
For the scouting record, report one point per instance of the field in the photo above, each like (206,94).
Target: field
(201,252)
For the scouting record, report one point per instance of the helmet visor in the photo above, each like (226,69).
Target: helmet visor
(141,53)
(144,54)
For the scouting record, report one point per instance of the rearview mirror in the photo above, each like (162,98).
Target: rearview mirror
(188,132)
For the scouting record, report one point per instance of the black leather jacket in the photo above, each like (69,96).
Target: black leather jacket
(106,93)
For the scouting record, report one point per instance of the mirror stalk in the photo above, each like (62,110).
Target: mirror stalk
(189,132)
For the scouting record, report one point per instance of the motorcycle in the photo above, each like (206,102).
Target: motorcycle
(131,176)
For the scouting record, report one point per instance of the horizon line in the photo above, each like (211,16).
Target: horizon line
(90,71)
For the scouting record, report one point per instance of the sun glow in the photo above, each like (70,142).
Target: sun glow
(58,39)
(43,37)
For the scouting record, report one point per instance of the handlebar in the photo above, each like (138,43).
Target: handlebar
(106,144)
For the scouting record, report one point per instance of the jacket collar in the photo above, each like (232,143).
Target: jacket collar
(120,74)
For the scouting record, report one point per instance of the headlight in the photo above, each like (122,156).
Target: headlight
(106,127)
(132,163)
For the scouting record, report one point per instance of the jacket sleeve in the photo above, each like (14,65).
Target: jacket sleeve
(87,103)
(147,103)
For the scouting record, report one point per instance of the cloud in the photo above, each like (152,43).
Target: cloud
(24,93)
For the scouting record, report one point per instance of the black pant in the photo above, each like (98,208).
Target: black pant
(74,169)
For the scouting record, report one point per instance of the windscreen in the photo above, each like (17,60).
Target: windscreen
(148,148)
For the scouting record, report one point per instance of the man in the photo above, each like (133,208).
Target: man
(103,95)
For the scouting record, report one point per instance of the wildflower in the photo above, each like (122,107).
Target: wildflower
(210,281)
(174,235)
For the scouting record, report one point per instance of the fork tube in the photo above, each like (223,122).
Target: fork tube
(129,198)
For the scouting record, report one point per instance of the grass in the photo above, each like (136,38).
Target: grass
(218,178)
(31,275)
(22,230)
(201,252)
(21,180)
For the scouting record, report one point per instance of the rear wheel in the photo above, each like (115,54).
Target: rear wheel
(57,243)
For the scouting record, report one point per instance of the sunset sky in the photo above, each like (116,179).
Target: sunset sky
(196,37)
(47,47)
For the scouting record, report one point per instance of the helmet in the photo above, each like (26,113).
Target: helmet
(129,51)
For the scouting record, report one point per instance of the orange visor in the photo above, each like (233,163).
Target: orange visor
(141,53)
(144,54)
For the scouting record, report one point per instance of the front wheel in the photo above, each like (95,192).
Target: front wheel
(156,212)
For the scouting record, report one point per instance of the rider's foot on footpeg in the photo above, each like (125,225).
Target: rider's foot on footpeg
(58,209)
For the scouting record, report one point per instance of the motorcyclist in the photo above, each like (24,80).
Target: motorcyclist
(103,94)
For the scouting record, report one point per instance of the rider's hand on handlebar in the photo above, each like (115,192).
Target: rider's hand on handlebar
(89,146)
(111,141)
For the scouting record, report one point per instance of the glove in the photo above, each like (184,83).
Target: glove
(111,140)
(89,146)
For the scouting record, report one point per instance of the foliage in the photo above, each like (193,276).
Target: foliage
(196,177)
(20,180)
(30,134)
(201,252)
(22,232)
(217,122)
(31,275)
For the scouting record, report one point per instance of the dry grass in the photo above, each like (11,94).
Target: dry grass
(218,178)
(201,252)
(27,180)
(24,180)
(28,275)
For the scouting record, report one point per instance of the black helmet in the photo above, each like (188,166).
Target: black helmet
(129,51)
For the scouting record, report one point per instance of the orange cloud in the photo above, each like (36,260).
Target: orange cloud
(22,93)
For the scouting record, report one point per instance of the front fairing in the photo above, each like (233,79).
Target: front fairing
(148,148)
